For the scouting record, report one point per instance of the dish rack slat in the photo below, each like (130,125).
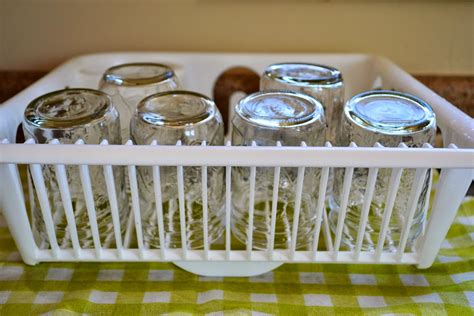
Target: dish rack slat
(321,215)
(387,212)
(89,198)
(228,190)
(369,192)
(456,174)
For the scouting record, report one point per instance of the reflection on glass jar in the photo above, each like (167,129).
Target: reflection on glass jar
(191,118)
(388,118)
(128,84)
(324,83)
(266,118)
(70,115)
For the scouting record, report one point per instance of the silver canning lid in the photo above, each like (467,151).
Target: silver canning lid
(136,74)
(276,109)
(67,108)
(389,112)
(303,74)
(176,109)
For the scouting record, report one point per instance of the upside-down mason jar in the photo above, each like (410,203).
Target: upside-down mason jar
(70,115)
(267,118)
(389,118)
(322,82)
(128,84)
(191,118)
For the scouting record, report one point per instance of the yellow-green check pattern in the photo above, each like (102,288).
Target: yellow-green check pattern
(293,289)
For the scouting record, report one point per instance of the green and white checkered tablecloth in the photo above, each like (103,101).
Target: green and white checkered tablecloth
(156,288)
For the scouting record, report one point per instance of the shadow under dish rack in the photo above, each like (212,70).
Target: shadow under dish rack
(456,174)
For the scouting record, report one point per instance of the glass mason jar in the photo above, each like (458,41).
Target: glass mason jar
(191,118)
(128,84)
(266,118)
(322,82)
(389,118)
(70,115)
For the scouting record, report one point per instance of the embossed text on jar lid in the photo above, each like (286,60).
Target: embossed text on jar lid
(67,108)
(303,74)
(390,112)
(136,74)
(176,108)
(277,109)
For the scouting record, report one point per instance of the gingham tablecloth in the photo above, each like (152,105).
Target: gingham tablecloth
(155,288)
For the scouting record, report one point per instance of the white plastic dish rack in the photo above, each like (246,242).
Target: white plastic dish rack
(198,72)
